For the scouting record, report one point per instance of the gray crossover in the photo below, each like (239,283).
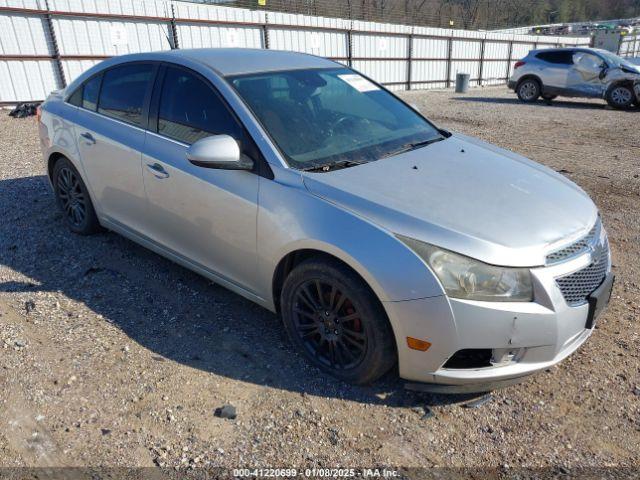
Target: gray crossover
(576,72)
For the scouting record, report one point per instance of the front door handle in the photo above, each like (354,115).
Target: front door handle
(88,138)
(157,170)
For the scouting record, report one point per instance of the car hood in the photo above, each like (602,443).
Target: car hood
(464,195)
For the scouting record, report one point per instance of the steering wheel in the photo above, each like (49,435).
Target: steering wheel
(343,120)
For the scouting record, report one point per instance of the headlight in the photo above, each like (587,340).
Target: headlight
(464,277)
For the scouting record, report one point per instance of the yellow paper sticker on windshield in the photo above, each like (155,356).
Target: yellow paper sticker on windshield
(359,83)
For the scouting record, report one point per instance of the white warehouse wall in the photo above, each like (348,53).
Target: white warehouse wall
(43,50)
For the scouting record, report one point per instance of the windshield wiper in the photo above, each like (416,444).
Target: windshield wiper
(327,167)
(412,146)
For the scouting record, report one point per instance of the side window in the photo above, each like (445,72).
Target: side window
(123,92)
(90,92)
(191,110)
(558,58)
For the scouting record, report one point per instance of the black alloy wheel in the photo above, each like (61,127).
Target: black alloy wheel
(329,326)
(73,198)
(336,321)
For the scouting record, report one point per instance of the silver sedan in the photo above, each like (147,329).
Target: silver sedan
(306,187)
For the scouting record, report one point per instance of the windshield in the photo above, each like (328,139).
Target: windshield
(326,117)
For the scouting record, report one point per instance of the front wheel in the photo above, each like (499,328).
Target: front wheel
(528,90)
(336,322)
(620,96)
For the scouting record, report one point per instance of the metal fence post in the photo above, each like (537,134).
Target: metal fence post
(481,71)
(55,51)
(409,59)
(509,60)
(265,31)
(620,40)
(173,29)
(449,53)
(350,44)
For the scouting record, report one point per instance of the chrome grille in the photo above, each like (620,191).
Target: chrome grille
(577,287)
(576,248)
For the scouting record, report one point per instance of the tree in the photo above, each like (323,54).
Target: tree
(470,14)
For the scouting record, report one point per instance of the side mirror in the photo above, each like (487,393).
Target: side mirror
(603,72)
(218,151)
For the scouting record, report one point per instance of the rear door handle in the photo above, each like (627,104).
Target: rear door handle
(157,170)
(88,138)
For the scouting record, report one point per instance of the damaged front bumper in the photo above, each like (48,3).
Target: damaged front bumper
(479,346)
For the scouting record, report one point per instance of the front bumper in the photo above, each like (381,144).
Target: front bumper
(528,337)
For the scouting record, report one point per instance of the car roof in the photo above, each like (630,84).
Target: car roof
(224,61)
(567,49)
(238,61)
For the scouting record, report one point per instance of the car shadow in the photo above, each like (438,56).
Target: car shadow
(540,103)
(176,314)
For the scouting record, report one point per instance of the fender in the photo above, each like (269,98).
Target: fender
(530,76)
(393,271)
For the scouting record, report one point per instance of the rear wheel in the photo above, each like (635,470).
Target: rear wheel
(620,96)
(528,90)
(336,322)
(73,198)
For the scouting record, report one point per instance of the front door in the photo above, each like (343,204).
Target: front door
(586,76)
(110,140)
(204,215)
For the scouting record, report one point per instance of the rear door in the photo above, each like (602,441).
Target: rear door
(110,130)
(554,67)
(206,216)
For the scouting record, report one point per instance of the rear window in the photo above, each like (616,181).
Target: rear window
(123,92)
(559,58)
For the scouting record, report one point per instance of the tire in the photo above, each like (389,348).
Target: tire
(620,96)
(73,199)
(529,90)
(351,322)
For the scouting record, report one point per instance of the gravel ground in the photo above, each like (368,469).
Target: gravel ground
(111,355)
